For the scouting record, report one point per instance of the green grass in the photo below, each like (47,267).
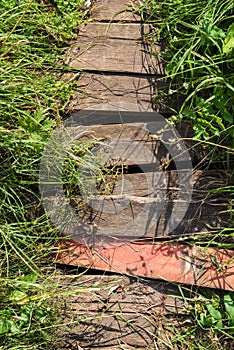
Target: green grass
(33,39)
(199,60)
(199,38)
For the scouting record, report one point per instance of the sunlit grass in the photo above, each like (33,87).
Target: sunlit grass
(199,62)
(33,38)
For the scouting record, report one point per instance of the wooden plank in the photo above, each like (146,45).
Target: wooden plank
(99,89)
(104,10)
(98,291)
(109,55)
(137,184)
(114,84)
(180,263)
(94,89)
(129,217)
(135,131)
(101,305)
(134,134)
(82,101)
(123,327)
(131,31)
(125,204)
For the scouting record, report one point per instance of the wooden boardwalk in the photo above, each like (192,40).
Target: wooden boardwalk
(115,56)
(121,74)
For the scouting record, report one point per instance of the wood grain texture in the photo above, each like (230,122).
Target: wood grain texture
(130,31)
(117,312)
(96,89)
(131,133)
(104,10)
(131,217)
(153,205)
(114,55)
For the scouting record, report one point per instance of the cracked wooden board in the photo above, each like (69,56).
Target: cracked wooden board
(130,217)
(152,205)
(131,132)
(95,88)
(118,11)
(153,190)
(130,31)
(109,55)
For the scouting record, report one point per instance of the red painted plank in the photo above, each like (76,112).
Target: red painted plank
(172,262)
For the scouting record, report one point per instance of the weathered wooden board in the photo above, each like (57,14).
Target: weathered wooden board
(82,101)
(153,197)
(115,84)
(172,262)
(120,215)
(117,312)
(137,184)
(130,31)
(114,55)
(103,11)
(155,204)
(134,134)
(134,131)
(95,88)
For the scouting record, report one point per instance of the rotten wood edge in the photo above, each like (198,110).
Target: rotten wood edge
(181,263)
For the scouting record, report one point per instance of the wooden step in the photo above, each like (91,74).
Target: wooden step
(96,89)
(132,217)
(130,31)
(137,187)
(119,10)
(131,132)
(118,312)
(115,55)
(207,267)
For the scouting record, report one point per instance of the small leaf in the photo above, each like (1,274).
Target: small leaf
(228,44)
(229,305)
(219,325)
(213,312)
(31,277)
(5,326)
(205,321)
(8,326)
(16,296)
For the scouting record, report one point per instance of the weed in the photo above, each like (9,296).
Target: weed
(33,39)
(199,39)
(204,323)
(199,36)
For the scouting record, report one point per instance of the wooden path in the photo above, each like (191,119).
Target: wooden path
(120,74)
(114,53)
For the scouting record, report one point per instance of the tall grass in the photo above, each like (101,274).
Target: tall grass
(199,38)
(199,60)
(33,38)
